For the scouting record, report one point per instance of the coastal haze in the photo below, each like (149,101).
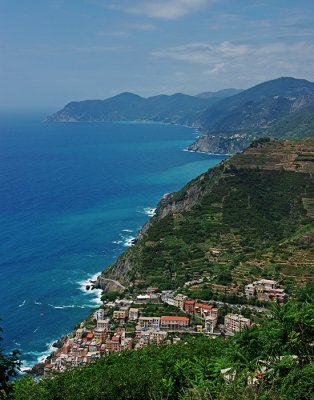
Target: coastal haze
(54,52)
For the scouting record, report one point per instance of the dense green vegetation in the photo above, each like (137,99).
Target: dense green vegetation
(271,361)
(257,108)
(257,214)
(9,365)
(177,108)
(158,310)
(281,108)
(250,217)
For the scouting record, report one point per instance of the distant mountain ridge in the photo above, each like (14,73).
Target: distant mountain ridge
(177,108)
(281,108)
(259,106)
(220,94)
(229,119)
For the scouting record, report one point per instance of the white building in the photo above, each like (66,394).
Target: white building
(265,290)
(179,301)
(210,323)
(149,322)
(103,324)
(133,314)
(99,314)
(236,322)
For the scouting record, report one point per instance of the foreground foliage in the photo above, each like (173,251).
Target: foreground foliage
(272,361)
(9,365)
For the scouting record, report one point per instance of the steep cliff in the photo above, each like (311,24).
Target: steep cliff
(222,144)
(255,210)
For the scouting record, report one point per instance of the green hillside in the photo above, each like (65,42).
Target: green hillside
(256,209)
(229,119)
(280,108)
(259,107)
(177,108)
(251,216)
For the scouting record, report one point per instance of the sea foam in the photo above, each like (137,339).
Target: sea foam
(94,293)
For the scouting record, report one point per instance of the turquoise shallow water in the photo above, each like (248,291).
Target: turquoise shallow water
(71,195)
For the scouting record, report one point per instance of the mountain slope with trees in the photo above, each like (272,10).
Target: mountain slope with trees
(229,119)
(281,108)
(255,209)
(251,216)
(178,108)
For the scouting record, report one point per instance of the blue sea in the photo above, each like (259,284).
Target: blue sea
(71,197)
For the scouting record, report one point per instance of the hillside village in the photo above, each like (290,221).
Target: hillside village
(123,324)
(217,279)
(223,254)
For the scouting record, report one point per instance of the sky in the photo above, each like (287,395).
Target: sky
(56,51)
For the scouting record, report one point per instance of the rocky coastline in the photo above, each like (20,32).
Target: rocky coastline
(222,144)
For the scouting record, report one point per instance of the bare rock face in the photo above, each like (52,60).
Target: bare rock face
(222,144)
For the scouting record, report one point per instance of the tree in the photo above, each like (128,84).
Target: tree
(9,366)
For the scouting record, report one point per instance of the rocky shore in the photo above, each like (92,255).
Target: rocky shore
(222,144)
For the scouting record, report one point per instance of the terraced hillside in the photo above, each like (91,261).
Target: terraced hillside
(251,216)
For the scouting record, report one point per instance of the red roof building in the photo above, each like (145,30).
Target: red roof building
(205,310)
(189,306)
(203,306)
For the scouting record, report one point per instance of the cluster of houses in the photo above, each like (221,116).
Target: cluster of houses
(109,335)
(87,345)
(265,290)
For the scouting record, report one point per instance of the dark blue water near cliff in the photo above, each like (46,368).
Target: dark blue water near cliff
(71,195)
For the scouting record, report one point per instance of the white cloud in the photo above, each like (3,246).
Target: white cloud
(162,9)
(193,52)
(216,69)
(206,53)
(241,64)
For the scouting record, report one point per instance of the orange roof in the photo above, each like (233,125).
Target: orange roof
(205,306)
(115,338)
(90,335)
(190,302)
(173,318)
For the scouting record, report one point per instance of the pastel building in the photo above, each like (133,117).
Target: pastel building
(149,322)
(173,322)
(236,322)
(133,314)
(103,324)
(179,301)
